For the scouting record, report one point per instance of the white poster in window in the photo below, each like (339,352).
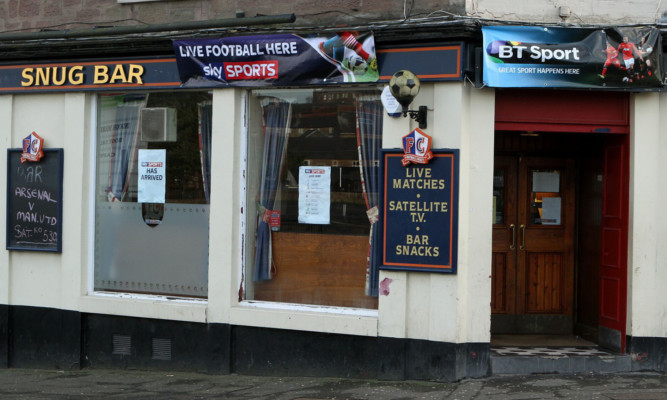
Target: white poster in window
(314,195)
(546,182)
(151,181)
(551,210)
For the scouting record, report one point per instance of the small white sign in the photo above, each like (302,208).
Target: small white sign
(152,176)
(546,182)
(391,105)
(314,195)
(551,210)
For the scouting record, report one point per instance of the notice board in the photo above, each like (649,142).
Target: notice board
(419,211)
(34,201)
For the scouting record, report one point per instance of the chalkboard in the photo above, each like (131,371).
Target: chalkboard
(34,201)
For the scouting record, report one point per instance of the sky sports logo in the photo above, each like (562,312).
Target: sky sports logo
(257,70)
(151,164)
(315,171)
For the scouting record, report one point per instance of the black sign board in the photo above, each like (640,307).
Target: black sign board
(419,211)
(34,201)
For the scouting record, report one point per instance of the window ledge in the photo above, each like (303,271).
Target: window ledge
(145,306)
(350,321)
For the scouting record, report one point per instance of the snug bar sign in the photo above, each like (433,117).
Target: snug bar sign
(74,75)
(419,210)
(127,74)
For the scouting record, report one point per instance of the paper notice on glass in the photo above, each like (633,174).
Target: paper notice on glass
(546,182)
(551,210)
(314,195)
(151,180)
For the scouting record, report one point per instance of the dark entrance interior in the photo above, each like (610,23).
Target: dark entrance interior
(545,267)
(560,221)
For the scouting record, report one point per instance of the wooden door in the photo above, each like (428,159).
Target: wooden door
(533,245)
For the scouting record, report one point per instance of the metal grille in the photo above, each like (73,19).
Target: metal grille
(122,345)
(161,349)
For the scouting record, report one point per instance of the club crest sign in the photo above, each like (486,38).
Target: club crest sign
(33,146)
(417,148)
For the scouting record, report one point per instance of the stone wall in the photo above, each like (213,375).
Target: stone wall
(79,14)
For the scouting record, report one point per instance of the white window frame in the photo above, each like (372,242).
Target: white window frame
(360,321)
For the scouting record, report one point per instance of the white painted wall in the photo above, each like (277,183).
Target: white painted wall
(6,103)
(420,305)
(647,255)
(608,12)
(38,278)
(55,280)
(439,307)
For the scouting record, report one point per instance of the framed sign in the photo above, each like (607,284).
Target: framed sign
(419,210)
(34,201)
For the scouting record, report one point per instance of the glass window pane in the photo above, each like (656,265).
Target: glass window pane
(313,158)
(160,247)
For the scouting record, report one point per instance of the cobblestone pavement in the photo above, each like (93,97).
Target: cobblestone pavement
(128,384)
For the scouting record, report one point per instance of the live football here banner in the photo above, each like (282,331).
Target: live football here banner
(531,56)
(268,60)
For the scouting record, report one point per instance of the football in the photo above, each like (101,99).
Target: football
(357,65)
(404,86)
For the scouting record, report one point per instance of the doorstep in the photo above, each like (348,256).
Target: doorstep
(520,360)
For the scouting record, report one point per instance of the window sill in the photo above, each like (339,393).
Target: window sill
(349,321)
(145,306)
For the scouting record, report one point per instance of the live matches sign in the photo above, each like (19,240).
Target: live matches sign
(419,213)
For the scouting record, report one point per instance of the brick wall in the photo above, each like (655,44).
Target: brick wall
(80,14)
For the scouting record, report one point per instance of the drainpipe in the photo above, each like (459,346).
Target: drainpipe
(129,30)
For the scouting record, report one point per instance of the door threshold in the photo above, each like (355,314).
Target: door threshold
(527,358)
(540,341)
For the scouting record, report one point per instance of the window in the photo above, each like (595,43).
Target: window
(545,197)
(152,193)
(312,186)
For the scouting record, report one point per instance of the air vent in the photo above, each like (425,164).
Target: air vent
(122,345)
(161,349)
(158,124)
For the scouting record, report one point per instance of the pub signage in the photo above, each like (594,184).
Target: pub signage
(419,212)
(126,74)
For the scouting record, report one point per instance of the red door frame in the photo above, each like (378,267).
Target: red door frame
(588,112)
(614,246)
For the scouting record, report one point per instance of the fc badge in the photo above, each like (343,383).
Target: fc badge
(417,148)
(32,148)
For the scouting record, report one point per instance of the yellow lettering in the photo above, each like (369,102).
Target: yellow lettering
(27,75)
(118,74)
(417,239)
(101,74)
(135,73)
(63,76)
(75,75)
(42,76)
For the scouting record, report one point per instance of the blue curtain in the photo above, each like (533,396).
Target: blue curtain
(276,117)
(124,146)
(369,142)
(205,118)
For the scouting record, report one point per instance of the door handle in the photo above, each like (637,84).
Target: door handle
(513,229)
(523,237)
